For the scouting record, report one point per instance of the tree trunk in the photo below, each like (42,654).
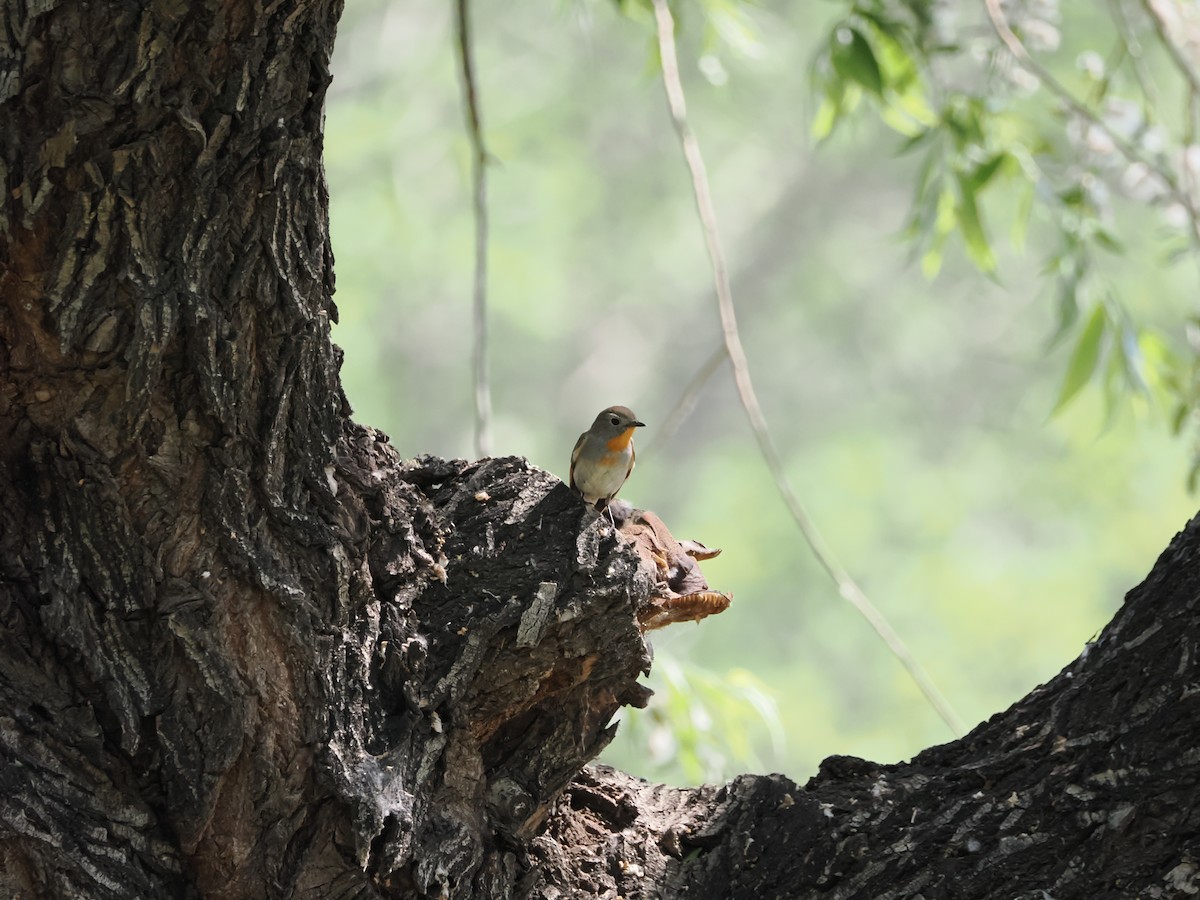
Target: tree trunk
(250,652)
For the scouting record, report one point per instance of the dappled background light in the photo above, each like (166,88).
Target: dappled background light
(914,416)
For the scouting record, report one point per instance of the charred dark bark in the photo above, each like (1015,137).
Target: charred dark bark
(248,651)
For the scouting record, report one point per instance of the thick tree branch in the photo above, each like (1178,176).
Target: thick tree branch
(1085,788)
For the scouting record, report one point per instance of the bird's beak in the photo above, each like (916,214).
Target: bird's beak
(638,424)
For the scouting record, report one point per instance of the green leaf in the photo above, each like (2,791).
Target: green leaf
(947,211)
(912,100)
(1068,307)
(1108,241)
(931,261)
(961,117)
(895,61)
(1113,385)
(984,172)
(925,176)
(921,137)
(1178,418)
(895,118)
(1083,358)
(1130,355)
(1072,196)
(854,60)
(826,118)
(924,205)
(971,226)
(1159,368)
(1024,212)
(638,10)
(733,24)
(1073,277)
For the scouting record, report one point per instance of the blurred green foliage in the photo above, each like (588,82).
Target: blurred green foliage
(915,416)
(1092,131)
(703,725)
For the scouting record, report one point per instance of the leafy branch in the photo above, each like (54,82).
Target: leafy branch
(992,117)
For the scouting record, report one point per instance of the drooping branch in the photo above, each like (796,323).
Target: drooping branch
(479,211)
(848,588)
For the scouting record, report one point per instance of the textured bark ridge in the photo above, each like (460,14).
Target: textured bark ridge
(168,408)
(493,675)
(246,652)
(1087,788)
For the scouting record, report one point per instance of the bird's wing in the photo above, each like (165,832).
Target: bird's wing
(574,457)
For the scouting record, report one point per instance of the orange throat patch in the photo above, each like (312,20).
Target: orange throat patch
(621,441)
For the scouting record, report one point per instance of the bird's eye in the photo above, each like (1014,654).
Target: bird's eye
(614,420)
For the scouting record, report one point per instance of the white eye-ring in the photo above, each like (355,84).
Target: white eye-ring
(615,420)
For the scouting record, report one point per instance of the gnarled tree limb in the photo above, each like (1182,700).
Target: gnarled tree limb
(1088,787)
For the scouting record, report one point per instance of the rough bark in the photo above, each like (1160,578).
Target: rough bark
(1089,787)
(246,651)
(250,652)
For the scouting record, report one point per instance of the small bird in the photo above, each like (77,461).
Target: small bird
(603,456)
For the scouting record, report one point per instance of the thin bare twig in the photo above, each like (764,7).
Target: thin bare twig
(1189,73)
(1136,53)
(847,588)
(775,221)
(1131,153)
(1159,18)
(479,160)
(687,400)
(1017,49)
